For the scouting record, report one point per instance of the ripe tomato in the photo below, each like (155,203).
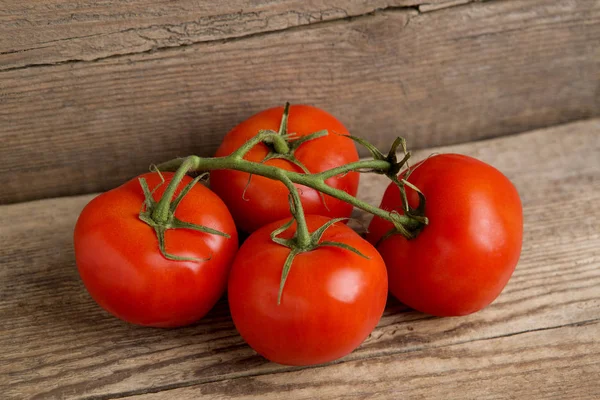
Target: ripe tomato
(461,261)
(331,301)
(120,263)
(266,200)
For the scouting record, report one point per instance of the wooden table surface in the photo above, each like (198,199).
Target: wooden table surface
(92,92)
(539,340)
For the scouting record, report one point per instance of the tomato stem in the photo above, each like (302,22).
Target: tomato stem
(404,224)
(279,143)
(407,224)
(161,213)
(302,235)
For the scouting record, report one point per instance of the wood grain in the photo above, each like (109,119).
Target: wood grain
(560,364)
(58,31)
(56,343)
(457,74)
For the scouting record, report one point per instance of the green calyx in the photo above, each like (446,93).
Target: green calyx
(314,243)
(161,215)
(302,240)
(283,145)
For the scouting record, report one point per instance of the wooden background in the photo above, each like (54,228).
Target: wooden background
(93,92)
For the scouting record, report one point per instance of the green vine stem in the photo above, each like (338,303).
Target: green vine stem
(283,145)
(161,215)
(404,224)
(303,240)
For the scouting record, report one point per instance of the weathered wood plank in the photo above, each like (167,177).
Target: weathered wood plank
(57,343)
(559,364)
(58,31)
(453,75)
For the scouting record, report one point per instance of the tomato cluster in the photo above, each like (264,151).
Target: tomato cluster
(160,250)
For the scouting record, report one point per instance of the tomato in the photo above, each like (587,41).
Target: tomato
(265,200)
(461,261)
(331,301)
(120,263)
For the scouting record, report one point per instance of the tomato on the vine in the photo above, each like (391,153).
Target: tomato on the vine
(462,260)
(261,200)
(119,260)
(331,301)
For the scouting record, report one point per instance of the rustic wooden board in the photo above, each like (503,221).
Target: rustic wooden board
(456,74)
(58,31)
(538,340)
(561,363)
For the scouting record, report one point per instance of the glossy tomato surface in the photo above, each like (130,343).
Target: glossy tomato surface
(331,301)
(266,200)
(119,261)
(462,260)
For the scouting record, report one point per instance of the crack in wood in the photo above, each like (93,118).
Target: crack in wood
(179,32)
(276,371)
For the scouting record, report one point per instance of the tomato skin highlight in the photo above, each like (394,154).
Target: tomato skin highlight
(120,264)
(331,301)
(266,200)
(463,259)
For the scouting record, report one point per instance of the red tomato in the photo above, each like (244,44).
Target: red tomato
(331,301)
(121,265)
(266,200)
(462,260)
